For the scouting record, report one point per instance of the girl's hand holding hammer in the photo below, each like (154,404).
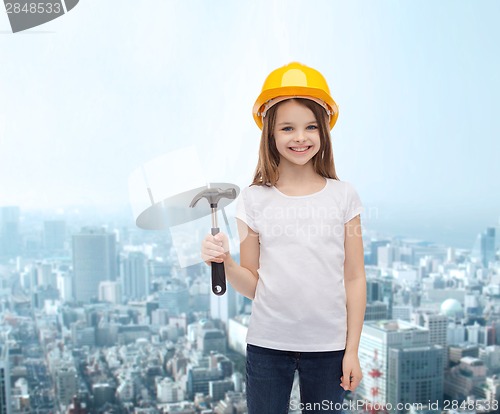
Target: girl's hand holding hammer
(215,248)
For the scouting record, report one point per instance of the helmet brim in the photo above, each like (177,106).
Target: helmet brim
(294,91)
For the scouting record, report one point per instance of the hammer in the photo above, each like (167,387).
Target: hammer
(213,195)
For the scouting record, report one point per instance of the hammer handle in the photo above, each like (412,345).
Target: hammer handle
(218,273)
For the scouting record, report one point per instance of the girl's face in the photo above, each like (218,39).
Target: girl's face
(296,133)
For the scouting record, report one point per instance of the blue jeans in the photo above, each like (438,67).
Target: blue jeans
(269,380)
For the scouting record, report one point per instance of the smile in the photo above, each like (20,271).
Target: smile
(300,150)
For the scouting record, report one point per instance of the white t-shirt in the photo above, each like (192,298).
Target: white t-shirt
(300,301)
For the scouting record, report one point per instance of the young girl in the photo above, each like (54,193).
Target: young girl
(301,253)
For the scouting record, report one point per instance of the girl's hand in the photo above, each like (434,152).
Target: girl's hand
(215,248)
(351,371)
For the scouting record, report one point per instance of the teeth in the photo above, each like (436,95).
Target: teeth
(299,149)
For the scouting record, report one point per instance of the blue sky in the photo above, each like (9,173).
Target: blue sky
(90,97)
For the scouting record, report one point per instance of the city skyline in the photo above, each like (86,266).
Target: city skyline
(425,319)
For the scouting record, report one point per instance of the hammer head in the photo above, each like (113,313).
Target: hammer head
(213,195)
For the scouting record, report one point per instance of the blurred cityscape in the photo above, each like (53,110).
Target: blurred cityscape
(98,317)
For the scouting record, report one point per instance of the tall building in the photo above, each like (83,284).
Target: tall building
(65,286)
(379,289)
(66,384)
(484,248)
(9,231)
(134,274)
(415,375)
(5,403)
(373,290)
(488,246)
(94,260)
(435,323)
(377,340)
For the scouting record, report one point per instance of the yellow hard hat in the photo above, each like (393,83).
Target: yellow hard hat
(294,80)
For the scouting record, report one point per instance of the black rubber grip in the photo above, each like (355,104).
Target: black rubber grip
(218,278)
(218,273)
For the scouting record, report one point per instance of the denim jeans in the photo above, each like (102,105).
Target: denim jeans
(270,374)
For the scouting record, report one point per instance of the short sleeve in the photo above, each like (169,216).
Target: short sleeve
(244,210)
(353,204)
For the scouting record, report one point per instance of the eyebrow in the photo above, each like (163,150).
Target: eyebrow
(291,123)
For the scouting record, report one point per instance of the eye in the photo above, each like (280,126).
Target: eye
(312,126)
(288,128)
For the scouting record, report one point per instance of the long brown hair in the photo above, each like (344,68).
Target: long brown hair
(266,172)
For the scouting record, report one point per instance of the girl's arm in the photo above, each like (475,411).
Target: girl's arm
(244,277)
(355,287)
(355,282)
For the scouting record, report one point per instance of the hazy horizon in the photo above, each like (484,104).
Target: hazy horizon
(93,96)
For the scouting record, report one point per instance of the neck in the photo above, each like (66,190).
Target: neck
(297,174)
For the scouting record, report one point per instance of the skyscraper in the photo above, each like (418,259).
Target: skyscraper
(398,349)
(134,273)
(94,260)
(416,374)
(66,380)
(484,248)
(5,404)
(488,246)
(437,325)
(9,231)
(379,289)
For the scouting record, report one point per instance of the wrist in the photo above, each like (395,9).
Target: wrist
(229,261)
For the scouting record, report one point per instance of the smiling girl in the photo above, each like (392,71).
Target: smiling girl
(301,253)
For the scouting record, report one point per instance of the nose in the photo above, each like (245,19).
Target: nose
(300,137)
